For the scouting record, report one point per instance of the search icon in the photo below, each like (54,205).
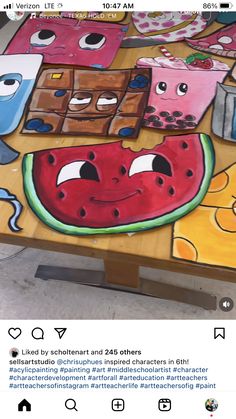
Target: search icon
(71,404)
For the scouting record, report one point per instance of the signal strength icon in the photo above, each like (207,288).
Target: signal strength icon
(9,6)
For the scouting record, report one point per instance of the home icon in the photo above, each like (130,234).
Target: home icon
(24,405)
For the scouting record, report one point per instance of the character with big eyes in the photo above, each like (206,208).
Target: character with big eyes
(17,78)
(90,102)
(182,90)
(105,188)
(69,41)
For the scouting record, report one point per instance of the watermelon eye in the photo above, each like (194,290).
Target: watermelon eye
(150,163)
(161,88)
(182,89)
(77,170)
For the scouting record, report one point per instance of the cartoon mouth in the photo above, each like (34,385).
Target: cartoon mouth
(107,199)
(88,118)
(168,98)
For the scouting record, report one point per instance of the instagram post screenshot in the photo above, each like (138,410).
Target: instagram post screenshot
(117,209)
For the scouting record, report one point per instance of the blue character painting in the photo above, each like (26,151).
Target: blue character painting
(17,78)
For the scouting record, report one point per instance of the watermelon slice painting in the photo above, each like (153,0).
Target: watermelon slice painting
(106,188)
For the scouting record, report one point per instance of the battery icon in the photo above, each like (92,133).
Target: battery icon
(226,5)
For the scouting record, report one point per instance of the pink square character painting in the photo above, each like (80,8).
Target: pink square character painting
(69,41)
(181,90)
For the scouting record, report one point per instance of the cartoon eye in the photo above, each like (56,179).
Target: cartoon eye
(161,88)
(106,101)
(9,84)
(42,38)
(77,170)
(92,41)
(150,163)
(80,101)
(182,89)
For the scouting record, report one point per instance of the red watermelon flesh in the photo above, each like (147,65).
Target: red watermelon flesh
(107,185)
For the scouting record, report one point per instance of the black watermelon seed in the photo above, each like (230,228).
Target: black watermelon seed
(145,122)
(123,170)
(91,156)
(160,181)
(171,126)
(184,145)
(177,113)
(116,212)
(189,173)
(82,212)
(153,118)
(157,124)
(51,159)
(61,194)
(150,109)
(170,119)
(191,124)
(190,117)
(164,114)
(171,191)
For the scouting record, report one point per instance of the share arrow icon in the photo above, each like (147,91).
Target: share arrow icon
(61,331)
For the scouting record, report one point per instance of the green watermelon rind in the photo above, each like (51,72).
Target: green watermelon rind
(48,219)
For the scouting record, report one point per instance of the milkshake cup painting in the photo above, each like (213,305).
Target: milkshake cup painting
(182,90)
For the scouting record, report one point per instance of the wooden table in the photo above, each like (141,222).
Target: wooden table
(122,254)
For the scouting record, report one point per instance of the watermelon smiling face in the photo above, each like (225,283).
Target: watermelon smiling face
(110,189)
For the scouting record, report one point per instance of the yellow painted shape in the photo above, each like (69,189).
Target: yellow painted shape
(184,249)
(208,234)
(222,190)
(226,219)
(56,76)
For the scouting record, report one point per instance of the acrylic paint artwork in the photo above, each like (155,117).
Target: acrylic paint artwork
(17,78)
(233,73)
(10,198)
(224,112)
(182,90)
(106,188)
(91,102)
(221,42)
(164,27)
(69,41)
(208,234)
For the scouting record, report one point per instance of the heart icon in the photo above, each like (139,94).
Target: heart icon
(14,332)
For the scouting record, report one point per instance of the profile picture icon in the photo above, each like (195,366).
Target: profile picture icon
(211,405)
(14,352)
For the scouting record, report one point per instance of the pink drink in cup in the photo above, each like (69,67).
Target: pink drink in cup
(181,92)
